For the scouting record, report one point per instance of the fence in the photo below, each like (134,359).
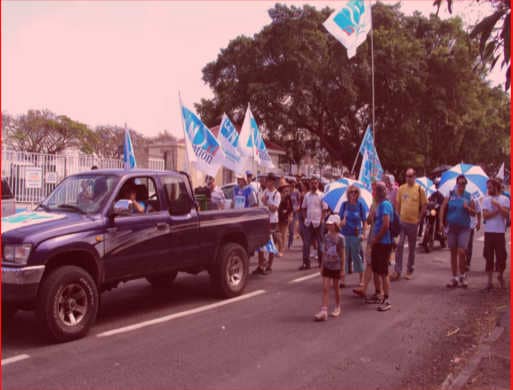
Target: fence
(33,176)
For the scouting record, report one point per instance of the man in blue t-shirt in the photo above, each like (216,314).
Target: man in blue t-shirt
(382,245)
(243,194)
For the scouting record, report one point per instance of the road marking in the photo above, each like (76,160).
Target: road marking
(178,315)
(14,359)
(305,278)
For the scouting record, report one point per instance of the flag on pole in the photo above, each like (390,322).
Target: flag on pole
(252,144)
(371,165)
(229,139)
(500,174)
(367,142)
(203,149)
(128,151)
(351,24)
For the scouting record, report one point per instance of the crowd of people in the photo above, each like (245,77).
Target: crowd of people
(298,211)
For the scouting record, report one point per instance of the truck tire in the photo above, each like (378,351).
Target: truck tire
(162,280)
(67,303)
(229,273)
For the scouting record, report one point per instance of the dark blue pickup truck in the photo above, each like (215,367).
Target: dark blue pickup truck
(103,227)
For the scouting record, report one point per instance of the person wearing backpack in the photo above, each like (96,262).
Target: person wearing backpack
(411,207)
(353,223)
(458,207)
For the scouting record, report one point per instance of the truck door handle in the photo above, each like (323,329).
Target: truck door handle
(162,226)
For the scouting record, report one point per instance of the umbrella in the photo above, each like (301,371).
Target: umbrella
(335,194)
(425,183)
(475,175)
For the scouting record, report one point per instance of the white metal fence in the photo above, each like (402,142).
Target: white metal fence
(32,176)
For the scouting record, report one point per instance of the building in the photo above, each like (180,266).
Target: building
(174,155)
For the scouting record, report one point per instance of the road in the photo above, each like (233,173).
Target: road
(183,338)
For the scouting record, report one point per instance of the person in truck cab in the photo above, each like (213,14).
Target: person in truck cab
(129,191)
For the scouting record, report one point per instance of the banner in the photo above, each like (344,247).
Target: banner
(252,144)
(351,24)
(229,139)
(371,165)
(203,149)
(128,151)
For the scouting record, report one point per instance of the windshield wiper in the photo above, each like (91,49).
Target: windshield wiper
(71,207)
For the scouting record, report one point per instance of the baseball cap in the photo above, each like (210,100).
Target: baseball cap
(333,219)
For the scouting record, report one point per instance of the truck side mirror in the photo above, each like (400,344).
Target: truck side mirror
(122,207)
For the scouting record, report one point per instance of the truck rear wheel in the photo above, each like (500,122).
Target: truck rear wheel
(162,280)
(67,303)
(229,273)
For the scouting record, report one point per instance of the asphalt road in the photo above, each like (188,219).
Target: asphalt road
(183,338)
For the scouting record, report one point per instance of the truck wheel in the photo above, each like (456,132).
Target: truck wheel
(229,274)
(67,303)
(162,280)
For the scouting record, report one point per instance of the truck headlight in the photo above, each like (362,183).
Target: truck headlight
(17,254)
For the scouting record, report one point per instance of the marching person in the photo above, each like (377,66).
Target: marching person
(495,213)
(285,210)
(244,195)
(382,246)
(295,197)
(411,207)
(352,213)
(271,199)
(314,210)
(333,252)
(460,207)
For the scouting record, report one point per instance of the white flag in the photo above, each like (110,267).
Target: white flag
(351,24)
(229,140)
(500,174)
(251,142)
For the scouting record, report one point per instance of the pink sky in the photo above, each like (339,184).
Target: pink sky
(105,62)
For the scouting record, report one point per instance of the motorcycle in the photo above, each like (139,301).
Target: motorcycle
(431,231)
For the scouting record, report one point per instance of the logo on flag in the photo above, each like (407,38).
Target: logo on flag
(253,145)
(351,24)
(229,140)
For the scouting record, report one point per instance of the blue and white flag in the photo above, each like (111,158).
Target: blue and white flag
(229,139)
(203,149)
(128,151)
(351,24)
(270,247)
(252,144)
(371,168)
(367,142)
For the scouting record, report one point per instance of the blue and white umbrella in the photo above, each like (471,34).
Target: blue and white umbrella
(335,194)
(426,183)
(476,180)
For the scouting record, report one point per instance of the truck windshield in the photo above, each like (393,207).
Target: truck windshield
(82,194)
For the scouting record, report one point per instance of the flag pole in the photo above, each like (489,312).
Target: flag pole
(372,75)
(187,166)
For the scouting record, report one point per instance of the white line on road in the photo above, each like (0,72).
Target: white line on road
(14,359)
(179,315)
(305,278)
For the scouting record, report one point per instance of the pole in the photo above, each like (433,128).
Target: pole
(372,75)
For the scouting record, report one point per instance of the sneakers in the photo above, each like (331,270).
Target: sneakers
(373,299)
(395,276)
(453,283)
(336,312)
(321,316)
(463,282)
(409,276)
(384,305)
(259,271)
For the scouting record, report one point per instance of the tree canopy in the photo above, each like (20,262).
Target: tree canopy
(432,105)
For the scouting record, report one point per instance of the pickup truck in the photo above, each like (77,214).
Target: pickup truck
(89,235)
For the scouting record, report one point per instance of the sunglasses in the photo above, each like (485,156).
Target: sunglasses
(353,192)
(462,183)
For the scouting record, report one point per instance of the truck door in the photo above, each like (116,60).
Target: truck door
(184,239)
(136,244)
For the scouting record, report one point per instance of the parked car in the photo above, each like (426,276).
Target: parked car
(88,237)
(8,201)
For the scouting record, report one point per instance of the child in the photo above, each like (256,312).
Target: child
(333,258)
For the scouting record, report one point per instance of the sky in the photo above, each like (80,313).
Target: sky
(116,62)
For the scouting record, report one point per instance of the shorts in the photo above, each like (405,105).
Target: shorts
(495,243)
(458,237)
(354,253)
(380,254)
(331,273)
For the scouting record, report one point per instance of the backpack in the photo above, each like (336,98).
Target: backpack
(395,225)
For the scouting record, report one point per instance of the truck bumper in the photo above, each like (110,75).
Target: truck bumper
(20,285)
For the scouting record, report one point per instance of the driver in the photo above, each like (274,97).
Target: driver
(436,196)
(130,193)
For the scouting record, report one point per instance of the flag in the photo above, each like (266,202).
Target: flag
(229,139)
(367,142)
(270,247)
(500,174)
(203,149)
(128,152)
(252,144)
(351,24)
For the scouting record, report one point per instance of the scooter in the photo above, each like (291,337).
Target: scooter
(431,231)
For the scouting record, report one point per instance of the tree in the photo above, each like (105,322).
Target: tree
(307,95)
(493,32)
(41,131)
(109,141)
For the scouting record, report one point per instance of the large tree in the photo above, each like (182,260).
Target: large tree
(305,92)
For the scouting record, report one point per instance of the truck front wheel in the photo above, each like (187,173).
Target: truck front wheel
(229,273)
(68,303)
